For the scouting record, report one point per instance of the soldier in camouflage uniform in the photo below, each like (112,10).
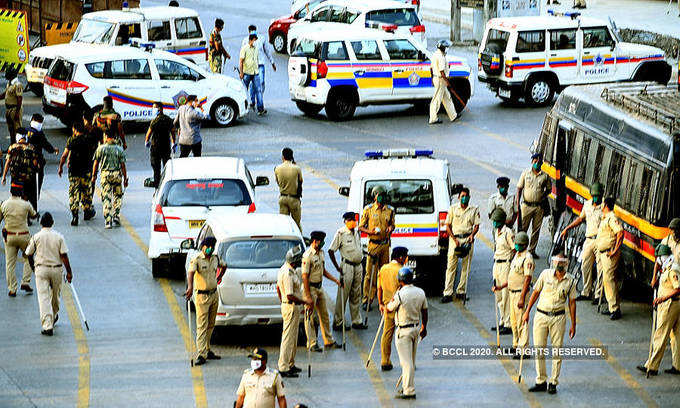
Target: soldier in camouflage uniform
(22,164)
(79,152)
(109,122)
(216,50)
(111,158)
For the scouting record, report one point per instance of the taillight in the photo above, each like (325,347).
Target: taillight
(159,220)
(479,64)
(415,2)
(508,70)
(443,234)
(356,217)
(74,87)
(417,29)
(390,28)
(321,69)
(251,208)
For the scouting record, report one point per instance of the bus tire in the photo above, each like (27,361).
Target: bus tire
(539,90)
(341,103)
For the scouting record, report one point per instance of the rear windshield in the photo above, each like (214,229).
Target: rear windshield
(499,38)
(400,16)
(307,48)
(93,31)
(256,253)
(406,196)
(61,70)
(215,192)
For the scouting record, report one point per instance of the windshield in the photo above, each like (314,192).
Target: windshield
(256,253)
(213,192)
(406,196)
(93,31)
(399,17)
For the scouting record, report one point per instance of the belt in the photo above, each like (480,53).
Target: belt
(289,195)
(49,266)
(552,314)
(206,292)
(17,233)
(351,263)
(287,302)
(315,285)
(10,106)
(592,237)
(501,260)
(377,242)
(461,235)
(532,204)
(605,250)
(514,291)
(675,298)
(406,326)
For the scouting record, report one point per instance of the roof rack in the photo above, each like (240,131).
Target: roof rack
(657,103)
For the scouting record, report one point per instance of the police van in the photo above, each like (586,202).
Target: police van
(534,57)
(135,78)
(340,70)
(174,29)
(418,187)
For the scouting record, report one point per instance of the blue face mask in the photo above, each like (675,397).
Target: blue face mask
(597,200)
(465,200)
(536,166)
(519,248)
(380,199)
(497,224)
(209,251)
(503,190)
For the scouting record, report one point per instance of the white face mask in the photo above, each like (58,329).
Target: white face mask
(36,125)
(255,364)
(154,112)
(665,261)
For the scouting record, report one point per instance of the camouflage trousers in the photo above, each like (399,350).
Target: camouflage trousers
(216,63)
(80,190)
(112,193)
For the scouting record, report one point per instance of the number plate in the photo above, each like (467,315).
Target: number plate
(504,92)
(411,264)
(193,224)
(57,95)
(258,289)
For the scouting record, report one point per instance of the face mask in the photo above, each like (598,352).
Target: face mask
(36,125)
(560,267)
(503,190)
(351,224)
(519,248)
(255,364)
(597,200)
(209,251)
(321,244)
(536,166)
(380,199)
(497,224)
(465,200)
(154,112)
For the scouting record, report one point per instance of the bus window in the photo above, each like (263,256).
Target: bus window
(674,195)
(629,190)
(576,154)
(546,141)
(648,185)
(583,160)
(615,174)
(595,165)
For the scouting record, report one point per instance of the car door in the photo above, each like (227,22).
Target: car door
(336,57)
(176,81)
(598,55)
(130,84)
(189,40)
(411,77)
(159,33)
(563,55)
(371,70)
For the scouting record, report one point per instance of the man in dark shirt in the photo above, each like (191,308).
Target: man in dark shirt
(160,136)
(22,165)
(37,138)
(79,152)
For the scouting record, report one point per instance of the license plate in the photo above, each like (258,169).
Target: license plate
(411,264)
(504,92)
(300,94)
(57,95)
(256,289)
(193,224)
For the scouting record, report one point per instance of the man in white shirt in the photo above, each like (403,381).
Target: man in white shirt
(440,80)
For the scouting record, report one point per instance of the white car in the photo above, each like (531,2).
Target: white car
(190,189)
(135,78)
(175,29)
(351,15)
(253,247)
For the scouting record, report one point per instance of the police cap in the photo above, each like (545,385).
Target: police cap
(498,215)
(258,353)
(503,181)
(597,189)
(317,235)
(405,275)
(522,238)
(674,224)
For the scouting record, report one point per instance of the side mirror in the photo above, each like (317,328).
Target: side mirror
(187,244)
(421,56)
(344,191)
(456,188)
(261,181)
(148,182)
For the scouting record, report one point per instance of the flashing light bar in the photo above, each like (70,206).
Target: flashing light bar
(382,154)
(572,14)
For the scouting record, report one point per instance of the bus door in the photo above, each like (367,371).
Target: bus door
(561,160)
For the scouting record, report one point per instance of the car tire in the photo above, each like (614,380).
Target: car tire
(279,42)
(36,88)
(158,267)
(340,106)
(309,109)
(539,91)
(224,112)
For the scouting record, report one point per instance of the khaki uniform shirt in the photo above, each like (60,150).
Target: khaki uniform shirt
(15,211)
(672,243)
(554,294)
(47,246)
(522,265)
(462,220)
(593,215)
(376,217)
(288,282)
(439,64)
(535,187)
(387,280)
(288,177)
(262,390)
(205,270)
(607,231)
(505,244)
(349,244)
(13,92)
(313,263)
(250,59)
(507,204)
(669,280)
(408,303)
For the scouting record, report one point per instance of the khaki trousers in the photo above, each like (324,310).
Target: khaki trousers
(520,334)
(291,206)
(668,323)
(532,215)
(611,289)
(319,301)
(378,255)
(351,289)
(206,312)
(407,345)
(386,339)
(13,122)
(545,326)
(12,246)
(289,336)
(580,3)
(590,255)
(500,275)
(48,285)
(452,266)
(441,96)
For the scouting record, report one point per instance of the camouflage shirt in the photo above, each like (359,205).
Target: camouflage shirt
(110,157)
(23,161)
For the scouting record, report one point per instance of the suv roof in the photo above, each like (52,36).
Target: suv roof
(86,53)
(544,22)
(341,34)
(140,14)
(205,167)
(365,6)
(251,225)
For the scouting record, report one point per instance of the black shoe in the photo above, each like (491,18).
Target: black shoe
(107,225)
(516,356)
(582,297)
(213,356)
(386,367)
(200,360)
(605,311)
(539,388)
(404,396)
(333,345)
(595,301)
(116,222)
(505,330)
(74,220)
(359,326)
(462,296)
(295,369)
(552,389)
(446,299)
(89,214)
(436,122)
(12,294)
(616,315)
(289,374)
(672,370)
(644,370)
(56,317)
(535,255)
(364,306)
(337,327)
(26,288)
(315,348)
(47,332)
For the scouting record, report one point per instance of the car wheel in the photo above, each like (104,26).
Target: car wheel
(309,109)
(279,42)
(539,91)
(340,106)
(36,88)
(158,267)
(224,112)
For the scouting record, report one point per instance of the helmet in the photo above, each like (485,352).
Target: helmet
(294,255)
(498,215)
(443,44)
(377,190)
(522,238)
(674,224)
(662,250)
(597,189)
(405,275)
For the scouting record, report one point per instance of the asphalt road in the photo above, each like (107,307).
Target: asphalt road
(135,353)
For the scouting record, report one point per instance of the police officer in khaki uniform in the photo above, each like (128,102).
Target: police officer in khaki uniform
(533,188)
(519,280)
(462,224)
(313,271)
(388,284)
(608,242)
(15,211)
(410,306)
(673,238)
(13,97)
(667,304)
(504,250)
(260,386)
(202,277)
(554,289)
(440,79)
(591,213)
(503,200)
(377,221)
(289,178)
(348,242)
(290,295)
